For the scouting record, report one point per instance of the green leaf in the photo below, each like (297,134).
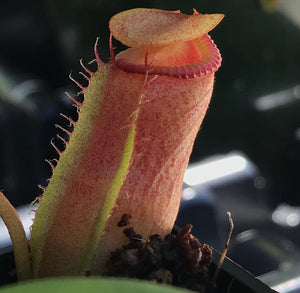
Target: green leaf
(90,285)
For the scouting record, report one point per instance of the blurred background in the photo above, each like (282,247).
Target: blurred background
(250,138)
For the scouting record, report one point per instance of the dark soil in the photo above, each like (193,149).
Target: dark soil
(179,260)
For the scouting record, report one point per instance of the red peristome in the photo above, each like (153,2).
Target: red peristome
(208,60)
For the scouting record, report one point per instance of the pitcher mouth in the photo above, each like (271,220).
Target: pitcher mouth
(206,60)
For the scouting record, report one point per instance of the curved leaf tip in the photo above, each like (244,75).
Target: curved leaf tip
(18,238)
